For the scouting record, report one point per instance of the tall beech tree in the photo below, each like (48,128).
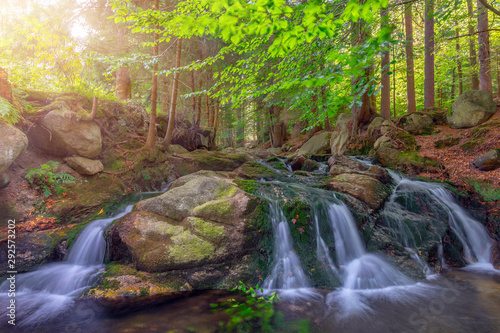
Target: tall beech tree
(483,38)
(154,89)
(173,102)
(410,70)
(385,93)
(429,100)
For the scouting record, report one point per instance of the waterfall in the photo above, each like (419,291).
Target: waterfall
(287,272)
(477,245)
(49,291)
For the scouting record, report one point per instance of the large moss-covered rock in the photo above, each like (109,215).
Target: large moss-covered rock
(471,108)
(374,128)
(12,143)
(201,221)
(417,122)
(317,145)
(208,160)
(63,133)
(365,188)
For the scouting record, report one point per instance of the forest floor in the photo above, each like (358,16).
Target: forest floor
(462,148)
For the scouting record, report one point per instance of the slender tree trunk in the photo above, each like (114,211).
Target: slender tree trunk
(410,70)
(484,49)
(459,64)
(216,116)
(498,72)
(452,97)
(193,89)
(472,48)
(429,100)
(123,82)
(173,103)
(154,92)
(277,136)
(385,93)
(198,104)
(94,108)
(394,82)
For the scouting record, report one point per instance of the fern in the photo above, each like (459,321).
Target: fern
(8,113)
(46,180)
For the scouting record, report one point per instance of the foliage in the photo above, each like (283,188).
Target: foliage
(8,113)
(253,314)
(485,190)
(46,180)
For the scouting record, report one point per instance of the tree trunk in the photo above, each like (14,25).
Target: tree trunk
(394,82)
(472,49)
(94,108)
(410,70)
(498,72)
(173,103)
(459,64)
(154,93)
(193,89)
(484,49)
(452,97)
(123,84)
(429,100)
(216,116)
(385,94)
(277,135)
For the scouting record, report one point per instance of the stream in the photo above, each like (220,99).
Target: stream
(363,291)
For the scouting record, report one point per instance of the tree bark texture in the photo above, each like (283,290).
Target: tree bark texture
(429,99)
(410,69)
(173,102)
(483,39)
(385,93)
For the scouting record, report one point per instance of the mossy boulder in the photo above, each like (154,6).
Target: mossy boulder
(63,133)
(472,108)
(363,187)
(310,165)
(203,220)
(374,128)
(254,170)
(416,122)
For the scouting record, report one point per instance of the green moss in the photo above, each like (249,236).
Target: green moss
(471,145)
(226,191)
(487,191)
(410,144)
(217,210)
(110,284)
(207,229)
(249,186)
(187,247)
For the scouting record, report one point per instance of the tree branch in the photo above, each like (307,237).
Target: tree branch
(474,33)
(490,7)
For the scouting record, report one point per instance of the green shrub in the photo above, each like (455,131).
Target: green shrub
(8,113)
(254,314)
(46,180)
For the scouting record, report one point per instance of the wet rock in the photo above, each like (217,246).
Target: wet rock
(363,187)
(84,166)
(310,165)
(12,143)
(275,150)
(344,165)
(387,156)
(297,162)
(488,161)
(472,108)
(62,133)
(317,145)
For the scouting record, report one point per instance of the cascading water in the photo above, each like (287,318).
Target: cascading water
(476,243)
(49,291)
(287,272)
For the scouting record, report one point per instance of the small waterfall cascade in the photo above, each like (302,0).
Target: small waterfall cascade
(477,245)
(287,272)
(49,291)
(361,270)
